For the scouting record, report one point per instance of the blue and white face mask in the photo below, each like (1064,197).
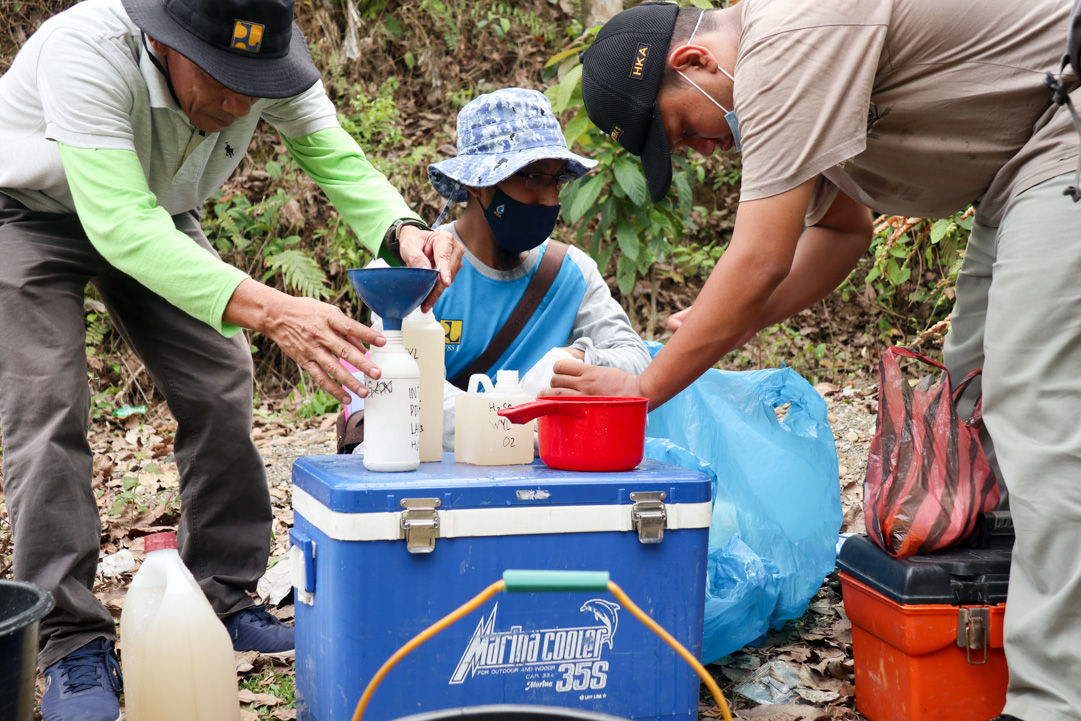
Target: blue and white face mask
(729,115)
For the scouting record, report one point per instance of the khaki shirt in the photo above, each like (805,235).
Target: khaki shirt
(911,107)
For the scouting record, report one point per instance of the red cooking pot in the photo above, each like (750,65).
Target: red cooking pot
(586,433)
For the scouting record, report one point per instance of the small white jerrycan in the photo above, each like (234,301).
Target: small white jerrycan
(481,436)
(175,653)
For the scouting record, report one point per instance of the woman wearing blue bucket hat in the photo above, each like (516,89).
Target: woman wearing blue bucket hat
(512,162)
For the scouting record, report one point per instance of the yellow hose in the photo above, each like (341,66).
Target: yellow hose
(479,600)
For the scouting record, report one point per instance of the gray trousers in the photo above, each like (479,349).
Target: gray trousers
(1018,315)
(224,531)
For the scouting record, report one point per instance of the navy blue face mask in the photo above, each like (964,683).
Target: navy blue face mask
(517,226)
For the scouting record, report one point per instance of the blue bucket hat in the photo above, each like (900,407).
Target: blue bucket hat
(499,134)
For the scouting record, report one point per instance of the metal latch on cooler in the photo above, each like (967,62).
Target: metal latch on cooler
(974,632)
(648,515)
(420,524)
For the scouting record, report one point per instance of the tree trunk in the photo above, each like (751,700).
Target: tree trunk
(598,12)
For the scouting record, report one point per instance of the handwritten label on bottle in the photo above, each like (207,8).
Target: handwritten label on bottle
(499,423)
(379,388)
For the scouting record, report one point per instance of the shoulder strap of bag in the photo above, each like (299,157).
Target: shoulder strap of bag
(977,412)
(534,293)
(911,352)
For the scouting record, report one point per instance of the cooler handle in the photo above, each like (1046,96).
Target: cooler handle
(531,581)
(547,581)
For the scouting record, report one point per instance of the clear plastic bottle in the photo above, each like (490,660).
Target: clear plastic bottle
(176,655)
(481,436)
(425,341)
(392,408)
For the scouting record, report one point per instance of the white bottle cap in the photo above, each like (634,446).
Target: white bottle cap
(508,377)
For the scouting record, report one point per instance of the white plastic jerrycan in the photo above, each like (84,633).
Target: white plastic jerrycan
(481,436)
(176,655)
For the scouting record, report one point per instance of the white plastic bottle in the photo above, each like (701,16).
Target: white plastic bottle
(176,655)
(392,408)
(424,339)
(481,436)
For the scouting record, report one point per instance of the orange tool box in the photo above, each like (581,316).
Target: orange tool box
(927,631)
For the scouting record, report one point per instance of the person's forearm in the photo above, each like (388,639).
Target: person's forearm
(252,305)
(728,304)
(757,261)
(824,258)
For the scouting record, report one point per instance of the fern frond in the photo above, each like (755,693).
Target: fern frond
(231,230)
(301,273)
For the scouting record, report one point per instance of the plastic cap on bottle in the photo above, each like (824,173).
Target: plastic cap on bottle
(158,541)
(510,377)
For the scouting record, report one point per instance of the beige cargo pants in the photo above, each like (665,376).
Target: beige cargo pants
(1018,315)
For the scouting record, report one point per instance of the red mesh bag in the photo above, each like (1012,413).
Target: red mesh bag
(927,476)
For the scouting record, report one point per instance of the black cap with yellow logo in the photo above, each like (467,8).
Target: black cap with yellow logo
(251,47)
(621,73)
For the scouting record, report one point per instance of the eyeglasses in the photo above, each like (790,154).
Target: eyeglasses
(540,181)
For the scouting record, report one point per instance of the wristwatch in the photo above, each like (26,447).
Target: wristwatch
(390,240)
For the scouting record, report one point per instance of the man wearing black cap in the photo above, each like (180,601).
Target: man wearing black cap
(118,119)
(915,108)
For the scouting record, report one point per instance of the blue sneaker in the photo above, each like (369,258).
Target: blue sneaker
(85,685)
(253,629)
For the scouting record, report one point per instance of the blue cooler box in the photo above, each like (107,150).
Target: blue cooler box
(378,557)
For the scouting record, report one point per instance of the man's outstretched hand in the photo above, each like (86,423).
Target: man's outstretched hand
(316,335)
(574,378)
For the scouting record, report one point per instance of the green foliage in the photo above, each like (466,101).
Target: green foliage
(696,261)
(98,328)
(312,405)
(254,235)
(370,9)
(911,271)
(129,499)
(282,686)
(236,223)
(374,122)
(501,16)
(300,271)
(448,19)
(103,404)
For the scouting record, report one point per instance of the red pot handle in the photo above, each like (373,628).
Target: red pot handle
(546,407)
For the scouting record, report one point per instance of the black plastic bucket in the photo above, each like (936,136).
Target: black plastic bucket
(510,712)
(22,606)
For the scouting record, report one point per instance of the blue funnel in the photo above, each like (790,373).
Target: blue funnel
(393,293)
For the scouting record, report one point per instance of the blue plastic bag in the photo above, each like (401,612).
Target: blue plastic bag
(776,500)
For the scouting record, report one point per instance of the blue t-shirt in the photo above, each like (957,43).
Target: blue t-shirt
(477,304)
